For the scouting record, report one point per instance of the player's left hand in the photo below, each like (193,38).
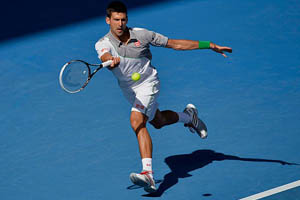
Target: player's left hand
(220,49)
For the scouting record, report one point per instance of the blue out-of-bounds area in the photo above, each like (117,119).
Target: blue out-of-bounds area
(54,145)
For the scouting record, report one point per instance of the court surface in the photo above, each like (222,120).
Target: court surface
(59,146)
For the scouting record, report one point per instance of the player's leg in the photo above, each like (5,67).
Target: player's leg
(145,178)
(189,117)
(143,100)
(163,118)
(144,107)
(138,122)
(168,117)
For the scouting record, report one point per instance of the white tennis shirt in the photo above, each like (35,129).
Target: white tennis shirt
(134,57)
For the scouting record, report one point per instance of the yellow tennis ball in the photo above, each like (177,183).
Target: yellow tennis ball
(135,76)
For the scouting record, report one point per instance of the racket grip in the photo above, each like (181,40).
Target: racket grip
(107,63)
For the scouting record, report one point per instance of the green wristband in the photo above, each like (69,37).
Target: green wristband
(204,44)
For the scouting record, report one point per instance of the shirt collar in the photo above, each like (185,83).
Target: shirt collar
(118,42)
(114,39)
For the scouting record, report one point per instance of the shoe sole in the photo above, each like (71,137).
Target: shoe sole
(137,181)
(150,189)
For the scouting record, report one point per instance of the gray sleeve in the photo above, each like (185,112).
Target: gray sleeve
(158,39)
(155,39)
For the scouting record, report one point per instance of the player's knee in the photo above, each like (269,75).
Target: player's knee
(137,123)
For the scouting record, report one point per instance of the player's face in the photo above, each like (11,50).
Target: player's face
(117,22)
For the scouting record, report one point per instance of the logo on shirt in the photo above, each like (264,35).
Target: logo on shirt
(104,49)
(140,106)
(137,44)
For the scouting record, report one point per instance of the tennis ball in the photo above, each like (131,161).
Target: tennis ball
(135,76)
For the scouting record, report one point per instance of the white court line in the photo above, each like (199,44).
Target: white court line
(273,191)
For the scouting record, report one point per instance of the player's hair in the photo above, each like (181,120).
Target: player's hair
(115,6)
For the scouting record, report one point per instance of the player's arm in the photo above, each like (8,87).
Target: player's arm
(107,56)
(193,44)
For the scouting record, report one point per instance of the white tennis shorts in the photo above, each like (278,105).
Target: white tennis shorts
(144,98)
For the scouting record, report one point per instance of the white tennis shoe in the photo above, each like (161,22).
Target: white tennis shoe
(196,124)
(144,180)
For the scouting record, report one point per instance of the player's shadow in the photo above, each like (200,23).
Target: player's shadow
(181,165)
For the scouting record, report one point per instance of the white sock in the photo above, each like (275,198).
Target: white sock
(184,118)
(147,165)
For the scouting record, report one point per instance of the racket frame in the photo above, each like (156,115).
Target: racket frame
(90,73)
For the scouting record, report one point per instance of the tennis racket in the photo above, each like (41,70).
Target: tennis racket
(76,74)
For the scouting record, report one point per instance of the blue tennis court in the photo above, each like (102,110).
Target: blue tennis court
(54,145)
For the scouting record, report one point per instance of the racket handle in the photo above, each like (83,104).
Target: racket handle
(107,63)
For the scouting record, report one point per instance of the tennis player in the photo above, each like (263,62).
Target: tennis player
(128,48)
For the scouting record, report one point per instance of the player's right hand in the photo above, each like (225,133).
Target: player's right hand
(116,61)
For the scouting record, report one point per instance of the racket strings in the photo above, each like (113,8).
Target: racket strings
(75,76)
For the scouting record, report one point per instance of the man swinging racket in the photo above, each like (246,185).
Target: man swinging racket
(128,48)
